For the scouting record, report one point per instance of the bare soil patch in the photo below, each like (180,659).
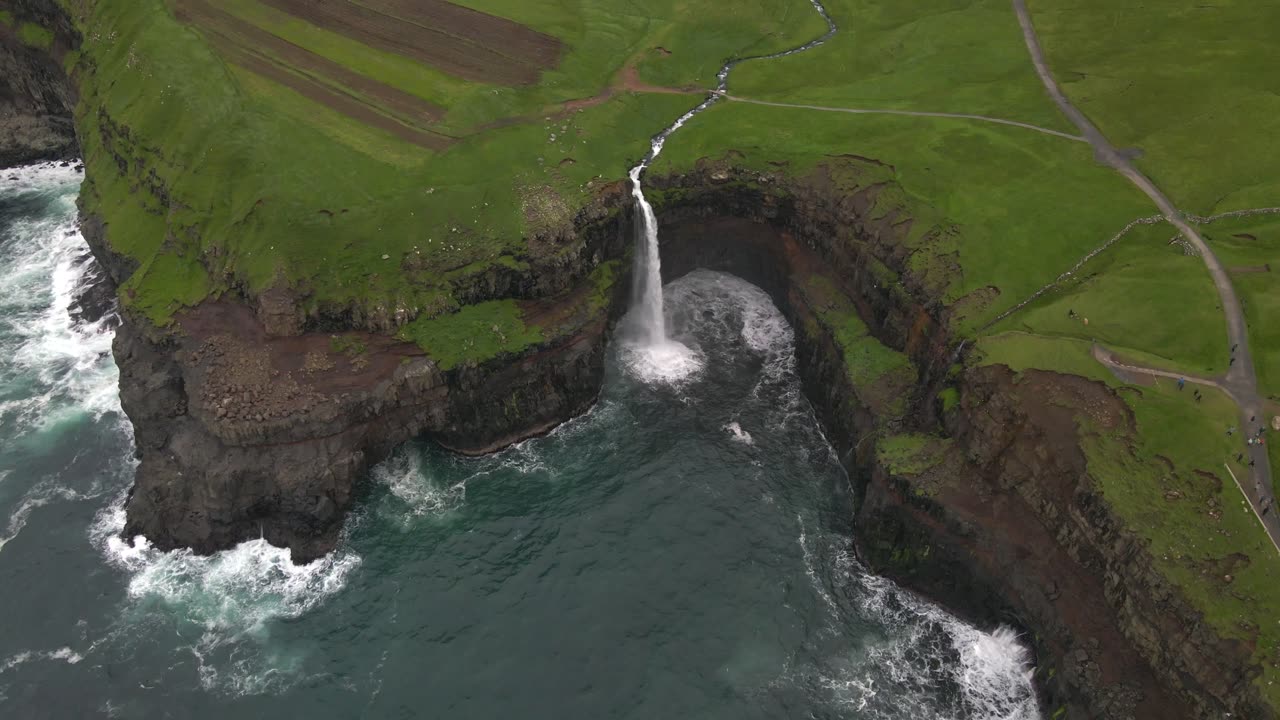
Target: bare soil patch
(517,42)
(311,361)
(461,42)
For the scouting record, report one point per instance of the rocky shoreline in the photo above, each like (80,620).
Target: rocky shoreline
(252,420)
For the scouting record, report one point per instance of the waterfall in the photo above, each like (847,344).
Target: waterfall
(660,357)
(650,325)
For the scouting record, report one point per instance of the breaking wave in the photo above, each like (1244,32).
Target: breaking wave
(923,663)
(407,478)
(57,375)
(56,369)
(226,601)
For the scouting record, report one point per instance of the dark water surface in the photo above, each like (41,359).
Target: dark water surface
(682,551)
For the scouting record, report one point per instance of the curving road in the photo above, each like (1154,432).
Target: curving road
(1240,381)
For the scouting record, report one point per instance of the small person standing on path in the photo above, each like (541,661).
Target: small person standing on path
(1181,382)
(1233,361)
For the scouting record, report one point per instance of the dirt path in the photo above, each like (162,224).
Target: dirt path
(1241,380)
(909,113)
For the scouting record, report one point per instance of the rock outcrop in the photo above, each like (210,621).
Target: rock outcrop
(253,419)
(36,98)
(1008,526)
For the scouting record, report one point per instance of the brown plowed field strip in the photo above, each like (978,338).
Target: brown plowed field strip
(334,100)
(460,43)
(205,16)
(517,41)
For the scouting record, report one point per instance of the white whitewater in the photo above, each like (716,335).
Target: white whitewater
(930,665)
(57,376)
(654,356)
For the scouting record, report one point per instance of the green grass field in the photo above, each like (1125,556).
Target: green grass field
(319,198)
(1142,297)
(34,35)
(1015,198)
(960,56)
(1192,84)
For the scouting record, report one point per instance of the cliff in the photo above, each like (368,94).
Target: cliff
(36,100)
(243,432)
(994,514)
(258,414)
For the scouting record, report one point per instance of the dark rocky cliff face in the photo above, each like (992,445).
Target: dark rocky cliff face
(250,422)
(1008,527)
(36,98)
(242,433)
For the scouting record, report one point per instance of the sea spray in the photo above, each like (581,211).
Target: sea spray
(928,664)
(224,605)
(57,372)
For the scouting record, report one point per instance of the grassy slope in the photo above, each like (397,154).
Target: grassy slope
(1144,298)
(961,56)
(1257,291)
(1026,206)
(320,199)
(1193,84)
(1194,533)
(35,36)
(884,377)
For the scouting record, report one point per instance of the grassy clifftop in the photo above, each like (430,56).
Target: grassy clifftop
(251,144)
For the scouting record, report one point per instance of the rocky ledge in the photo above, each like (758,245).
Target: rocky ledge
(242,434)
(36,101)
(253,421)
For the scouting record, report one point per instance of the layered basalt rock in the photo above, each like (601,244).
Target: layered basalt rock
(1008,526)
(244,434)
(36,97)
(250,421)
(247,429)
